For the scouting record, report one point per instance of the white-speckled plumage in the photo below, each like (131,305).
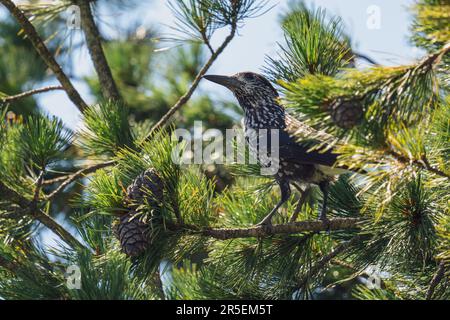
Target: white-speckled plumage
(262,110)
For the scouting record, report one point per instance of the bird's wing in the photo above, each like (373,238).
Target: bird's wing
(298,139)
(301,153)
(302,131)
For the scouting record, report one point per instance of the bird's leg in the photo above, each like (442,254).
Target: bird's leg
(304,195)
(324,188)
(285,194)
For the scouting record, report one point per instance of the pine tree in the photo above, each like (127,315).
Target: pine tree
(145,227)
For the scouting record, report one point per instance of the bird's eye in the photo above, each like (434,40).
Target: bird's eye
(249,76)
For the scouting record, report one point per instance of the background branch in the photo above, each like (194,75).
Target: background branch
(45,54)
(265,231)
(94,44)
(436,280)
(30,93)
(324,260)
(66,180)
(185,98)
(39,215)
(423,163)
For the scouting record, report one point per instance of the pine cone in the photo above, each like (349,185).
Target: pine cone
(346,113)
(132,234)
(147,187)
(131,231)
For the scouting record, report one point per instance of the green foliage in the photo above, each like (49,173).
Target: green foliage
(3,127)
(153,80)
(246,203)
(192,283)
(103,277)
(198,20)
(439,135)
(107,129)
(194,18)
(17,77)
(33,279)
(233,12)
(107,277)
(430,28)
(105,192)
(390,97)
(43,141)
(314,45)
(12,167)
(196,196)
(364,293)
(401,201)
(404,238)
(345,198)
(43,13)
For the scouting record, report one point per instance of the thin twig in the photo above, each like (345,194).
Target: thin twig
(365,57)
(185,98)
(429,167)
(30,93)
(267,231)
(207,42)
(45,54)
(38,188)
(157,281)
(39,215)
(94,44)
(438,276)
(85,171)
(324,260)
(436,57)
(67,180)
(423,163)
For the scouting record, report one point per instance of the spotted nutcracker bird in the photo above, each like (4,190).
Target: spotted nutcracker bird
(297,163)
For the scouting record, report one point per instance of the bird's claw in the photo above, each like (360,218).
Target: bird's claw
(265,224)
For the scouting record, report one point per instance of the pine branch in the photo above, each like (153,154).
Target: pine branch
(429,167)
(207,42)
(365,57)
(26,94)
(436,57)
(45,54)
(67,180)
(423,163)
(39,215)
(94,44)
(156,279)
(8,265)
(438,276)
(185,98)
(266,231)
(323,262)
(38,188)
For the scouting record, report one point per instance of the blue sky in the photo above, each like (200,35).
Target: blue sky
(387,44)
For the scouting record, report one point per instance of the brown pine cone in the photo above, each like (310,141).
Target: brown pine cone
(346,113)
(131,231)
(148,187)
(132,234)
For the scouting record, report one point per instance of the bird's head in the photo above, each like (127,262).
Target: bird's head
(251,89)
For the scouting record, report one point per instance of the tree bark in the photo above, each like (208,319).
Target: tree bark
(94,44)
(45,54)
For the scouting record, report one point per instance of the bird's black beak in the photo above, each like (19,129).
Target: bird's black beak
(229,82)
